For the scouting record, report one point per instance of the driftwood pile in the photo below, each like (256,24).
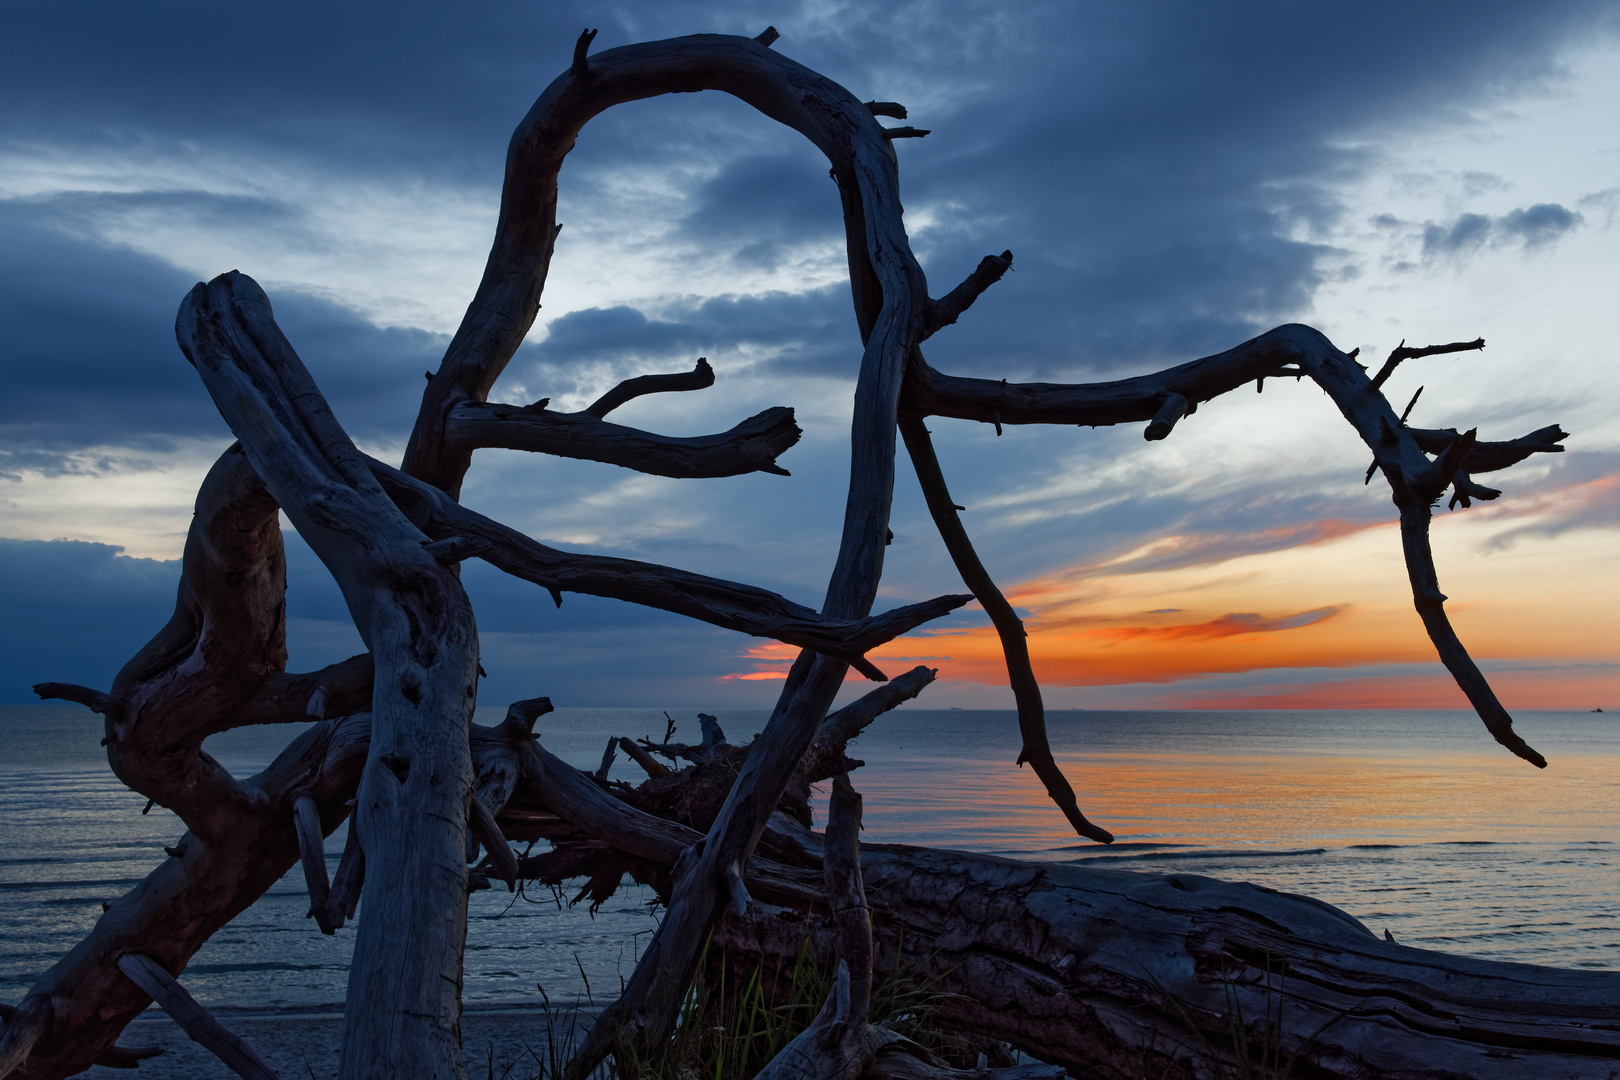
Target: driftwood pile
(1070,964)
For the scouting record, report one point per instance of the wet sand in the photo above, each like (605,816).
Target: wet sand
(500,1044)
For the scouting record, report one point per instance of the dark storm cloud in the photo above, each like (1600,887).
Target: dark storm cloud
(75,612)
(1144,163)
(88,355)
(761,206)
(1160,172)
(805,333)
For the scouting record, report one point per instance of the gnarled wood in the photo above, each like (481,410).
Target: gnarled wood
(403,1009)
(429,788)
(1087,968)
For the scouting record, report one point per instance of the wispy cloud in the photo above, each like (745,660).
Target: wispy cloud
(1532,226)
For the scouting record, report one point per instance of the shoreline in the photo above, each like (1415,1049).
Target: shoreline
(507,1042)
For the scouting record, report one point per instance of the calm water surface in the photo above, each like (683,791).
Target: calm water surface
(1413,822)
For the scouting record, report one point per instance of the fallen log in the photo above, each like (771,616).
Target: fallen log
(1086,968)
(1090,968)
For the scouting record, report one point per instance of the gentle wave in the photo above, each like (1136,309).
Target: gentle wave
(1413,823)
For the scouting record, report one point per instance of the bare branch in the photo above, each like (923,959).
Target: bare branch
(521,715)
(1401,352)
(286,698)
(721,603)
(1164,420)
(1009,628)
(847,895)
(948,308)
(887,108)
(347,882)
(608,755)
(312,852)
(195,1020)
(1415,482)
(1124,401)
(489,834)
(581,66)
(94,700)
(826,753)
(649,764)
(1493,456)
(701,377)
(751,446)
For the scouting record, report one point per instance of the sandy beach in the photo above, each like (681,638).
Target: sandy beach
(502,1044)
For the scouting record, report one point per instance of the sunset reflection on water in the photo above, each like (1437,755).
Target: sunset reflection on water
(1237,801)
(1415,823)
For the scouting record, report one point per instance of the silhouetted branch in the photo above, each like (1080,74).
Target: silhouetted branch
(1009,628)
(699,378)
(751,446)
(1401,352)
(722,603)
(948,308)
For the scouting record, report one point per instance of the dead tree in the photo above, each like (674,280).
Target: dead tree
(428,789)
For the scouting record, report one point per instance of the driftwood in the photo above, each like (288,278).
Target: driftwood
(1107,958)
(1089,968)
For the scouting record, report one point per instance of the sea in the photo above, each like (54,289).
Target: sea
(1416,823)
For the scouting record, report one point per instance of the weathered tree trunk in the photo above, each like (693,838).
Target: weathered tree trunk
(1088,967)
(403,1011)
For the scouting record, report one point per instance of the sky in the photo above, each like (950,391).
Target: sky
(1173,179)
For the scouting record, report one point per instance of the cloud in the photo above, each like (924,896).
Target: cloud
(1579,687)
(1582,491)
(1532,226)
(1202,548)
(89,358)
(807,333)
(75,612)
(1164,175)
(1232,625)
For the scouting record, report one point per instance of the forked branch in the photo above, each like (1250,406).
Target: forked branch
(751,446)
(1162,398)
(722,603)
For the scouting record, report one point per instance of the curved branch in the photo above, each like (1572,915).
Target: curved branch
(701,377)
(715,601)
(1124,401)
(751,446)
(508,297)
(1430,604)
(1415,483)
(1164,396)
(1009,628)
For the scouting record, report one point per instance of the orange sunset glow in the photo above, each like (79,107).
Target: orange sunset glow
(1321,595)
